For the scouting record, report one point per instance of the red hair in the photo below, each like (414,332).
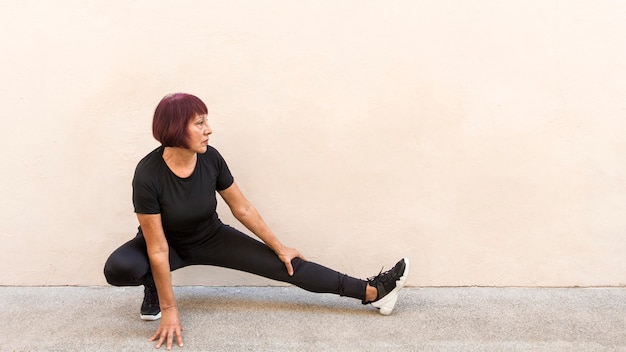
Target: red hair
(171,117)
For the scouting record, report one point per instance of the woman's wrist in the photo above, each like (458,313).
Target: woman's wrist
(280,250)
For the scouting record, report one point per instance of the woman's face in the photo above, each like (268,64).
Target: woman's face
(198,131)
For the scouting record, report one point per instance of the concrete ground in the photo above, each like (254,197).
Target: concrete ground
(289,319)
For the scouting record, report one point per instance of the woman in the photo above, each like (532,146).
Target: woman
(174,198)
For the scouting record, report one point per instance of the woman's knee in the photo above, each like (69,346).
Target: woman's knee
(127,265)
(113,274)
(121,272)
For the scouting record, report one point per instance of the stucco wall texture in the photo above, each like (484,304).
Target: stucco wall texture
(485,140)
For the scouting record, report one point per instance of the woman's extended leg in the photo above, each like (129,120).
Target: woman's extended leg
(232,249)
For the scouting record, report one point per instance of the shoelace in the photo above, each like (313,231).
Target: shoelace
(381,277)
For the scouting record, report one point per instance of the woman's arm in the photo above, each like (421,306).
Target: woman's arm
(158,253)
(247,214)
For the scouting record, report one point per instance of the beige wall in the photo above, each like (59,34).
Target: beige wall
(483,139)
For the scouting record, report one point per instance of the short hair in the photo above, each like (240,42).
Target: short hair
(171,117)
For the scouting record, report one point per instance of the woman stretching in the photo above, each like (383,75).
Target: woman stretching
(174,196)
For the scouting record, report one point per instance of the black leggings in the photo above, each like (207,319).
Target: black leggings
(229,248)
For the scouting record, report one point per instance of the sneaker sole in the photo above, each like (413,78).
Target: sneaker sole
(386,304)
(150,317)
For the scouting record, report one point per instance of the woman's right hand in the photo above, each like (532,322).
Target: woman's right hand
(158,253)
(169,327)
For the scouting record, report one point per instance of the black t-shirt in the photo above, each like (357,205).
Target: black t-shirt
(187,205)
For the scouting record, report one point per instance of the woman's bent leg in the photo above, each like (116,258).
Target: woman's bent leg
(129,264)
(232,249)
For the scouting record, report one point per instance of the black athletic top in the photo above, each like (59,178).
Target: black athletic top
(187,205)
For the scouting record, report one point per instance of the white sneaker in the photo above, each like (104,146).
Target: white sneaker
(388,285)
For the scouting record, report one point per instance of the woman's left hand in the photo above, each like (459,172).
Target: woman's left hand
(286,255)
(247,214)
